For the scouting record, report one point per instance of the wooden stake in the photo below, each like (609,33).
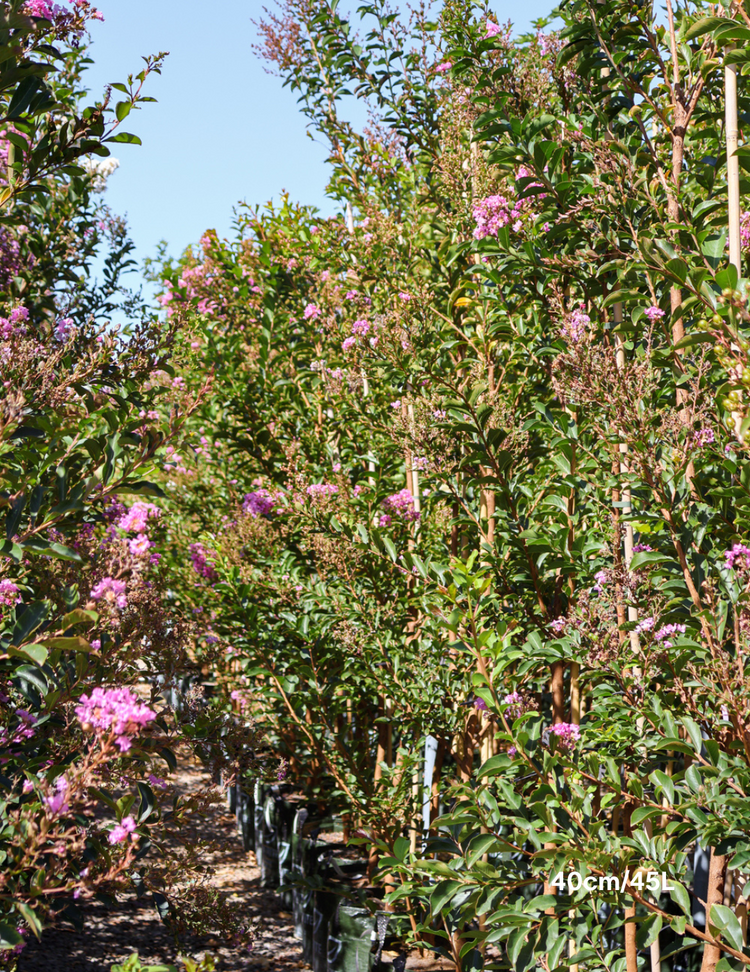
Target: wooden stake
(733,164)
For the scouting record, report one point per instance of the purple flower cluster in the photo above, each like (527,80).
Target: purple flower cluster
(646,624)
(745,230)
(480,704)
(111,591)
(23,731)
(135,520)
(118,710)
(361,327)
(704,437)
(516,703)
(322,490)
(8,594)
(558,625)
(57,801)
(665,634)
(120,831)
(567,734)
(13,324)
(642,548)
(738,558)
(494,212)
(259,503)
(64,330)
(201,564)
(654,313)
(401,504)
(574,328)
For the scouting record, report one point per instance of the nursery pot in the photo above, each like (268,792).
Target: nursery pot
(285,816)
(259,796)
(269,865)
(324,906)
(351,938)
(245,813)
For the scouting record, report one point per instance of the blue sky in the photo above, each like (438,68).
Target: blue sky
(222,131)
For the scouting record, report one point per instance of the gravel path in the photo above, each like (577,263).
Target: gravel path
(111,935)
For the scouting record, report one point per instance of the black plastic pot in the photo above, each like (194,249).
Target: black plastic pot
(259,796)
(232,798)
(324,906)
(351,938)
(245,813)
(285,817)
(269,865)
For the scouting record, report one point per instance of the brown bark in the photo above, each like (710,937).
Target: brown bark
(715,895)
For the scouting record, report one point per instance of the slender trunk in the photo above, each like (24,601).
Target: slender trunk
(715,895)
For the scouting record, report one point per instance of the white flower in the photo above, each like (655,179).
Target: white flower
(100,170)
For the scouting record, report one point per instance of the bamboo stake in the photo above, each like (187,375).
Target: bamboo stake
(733,164)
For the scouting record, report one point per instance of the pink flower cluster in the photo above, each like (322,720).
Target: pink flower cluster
(574,328)
(361,327)
(8,594)
(322,490)
(745,230)
(646,624)
(567,734)
(64,330)
(654,313)
(348,343)
(643,548)
(23,731)
(494,212)
(120,831)
(111,591)
(704,437)
(117,710)
(14,324)
(668,631)
(135,520)
(311,312)
(401,504)
(738,558)
(516,703)
(260,503)
(201,564)
(57,801)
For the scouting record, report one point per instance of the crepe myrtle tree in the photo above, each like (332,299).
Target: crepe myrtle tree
(527,310)
(86,627)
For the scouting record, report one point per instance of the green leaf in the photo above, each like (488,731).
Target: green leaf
(725,920)
(32,652)
(681,898)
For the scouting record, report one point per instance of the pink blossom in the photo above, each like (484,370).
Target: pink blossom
(260,503)
(402,295)
(558,625)
(492,30)
(9,593)
(360,327)
(157,781)
(574,328)
(111,591)
(201,563)
(480,704)
(322,490)
(445,66)
(738,558)
(643,548)
(139,546)
(135,520)
(311,312)
(401,504)
(704,437)
(665,633)
(654,313)
(567,734)
(118,710)
(351,295)
(646,624)
(384,520)
(121,830)
(348,343)
(64,330)
(57,802)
